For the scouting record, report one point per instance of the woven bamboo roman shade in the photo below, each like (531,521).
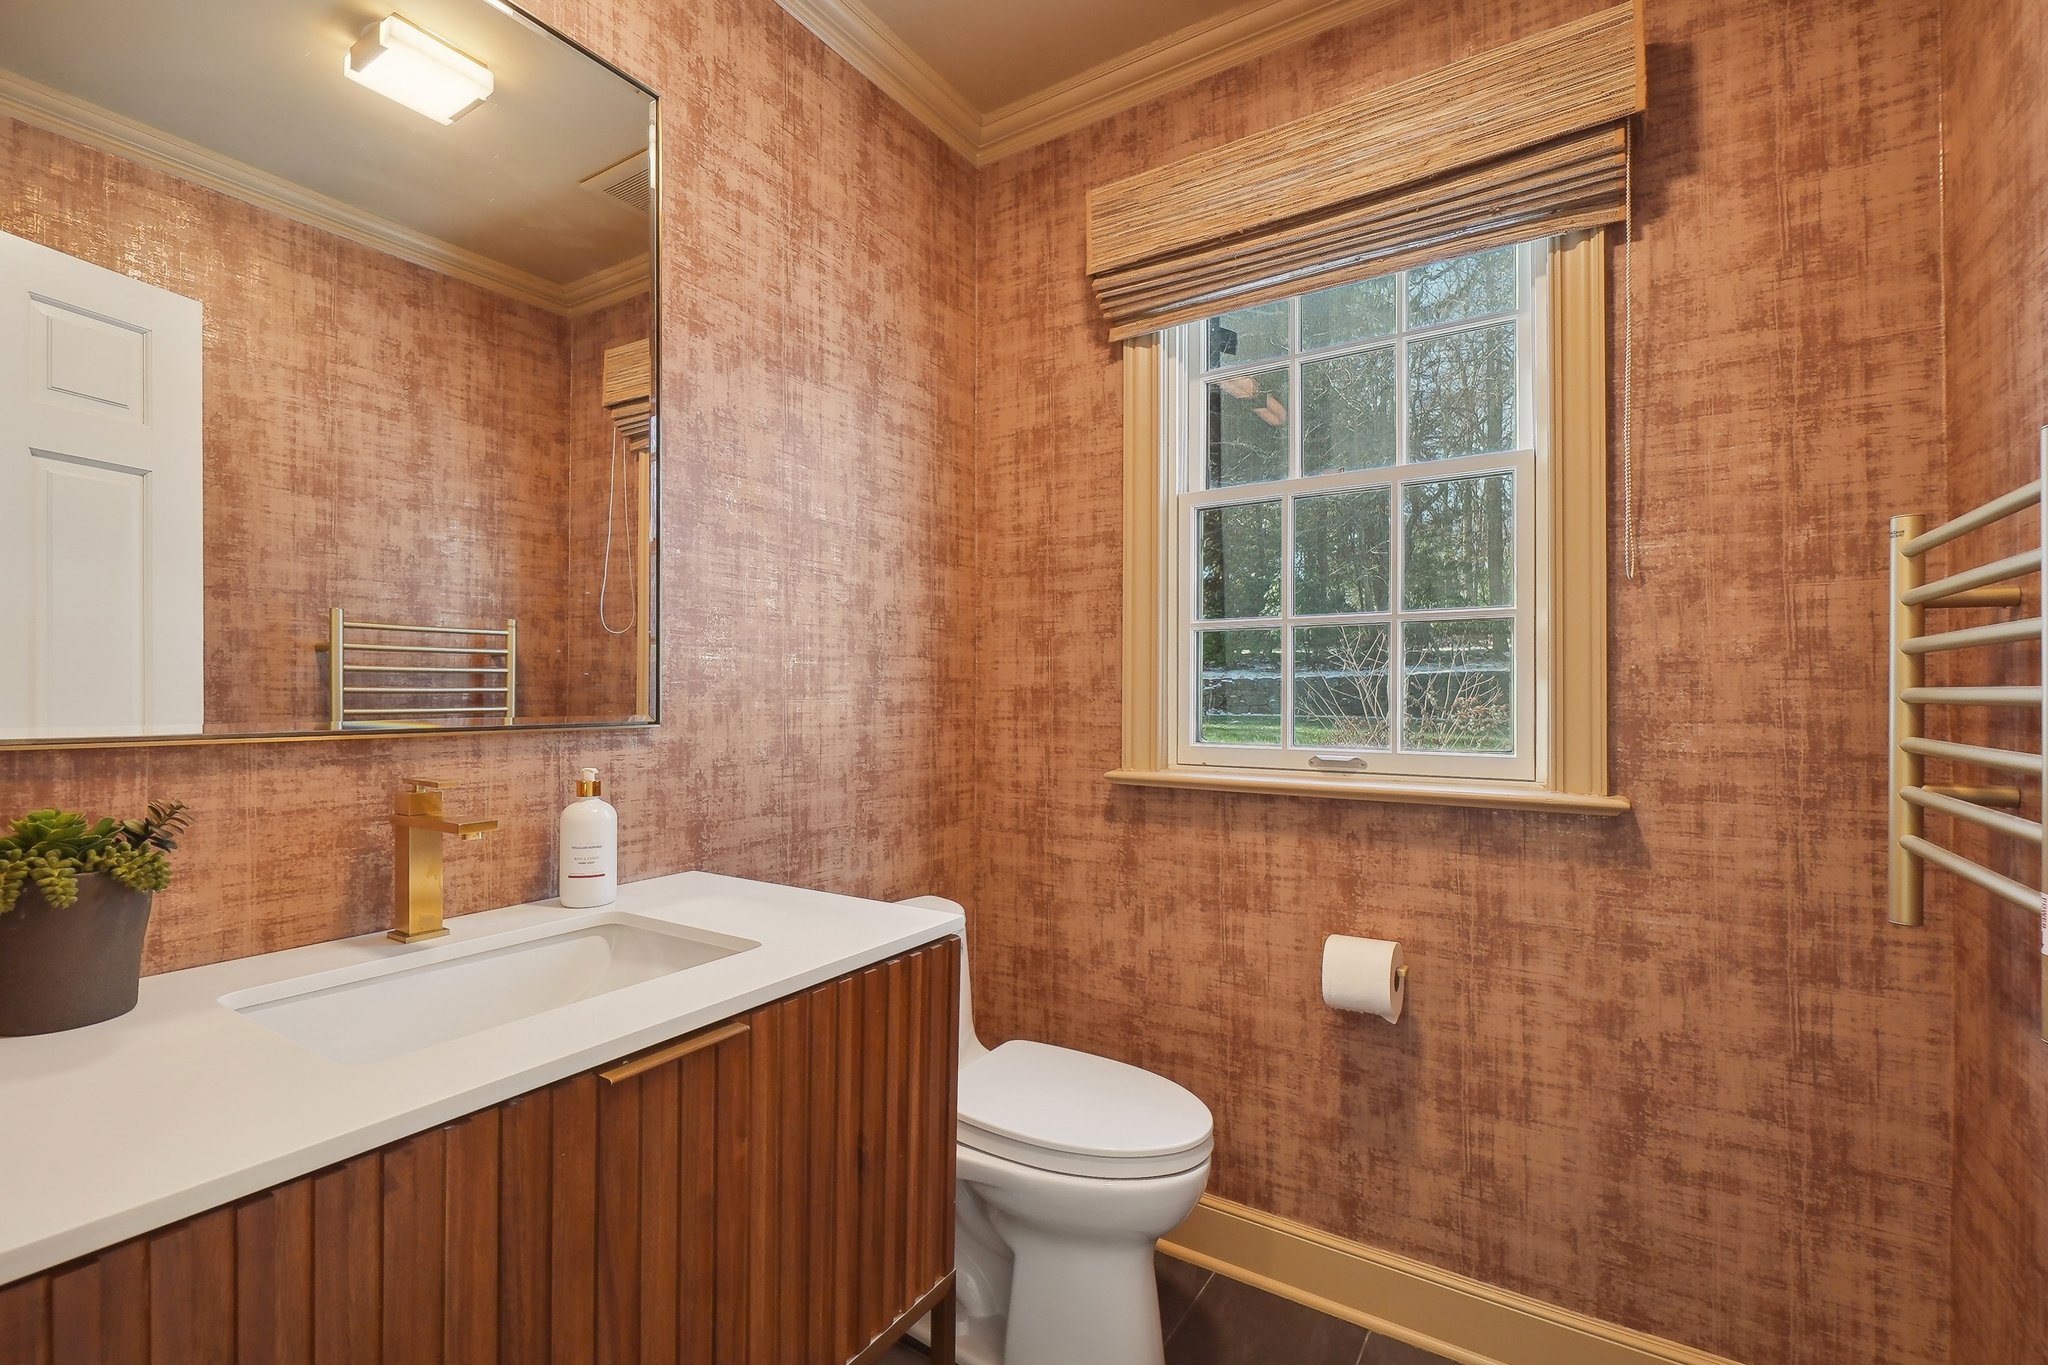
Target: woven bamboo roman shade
(1522,141)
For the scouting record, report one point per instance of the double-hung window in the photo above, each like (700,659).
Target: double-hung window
(1365,526)
(1376,515)
(1355,533)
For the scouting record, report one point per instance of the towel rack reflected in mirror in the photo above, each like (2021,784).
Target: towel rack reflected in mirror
(454,675)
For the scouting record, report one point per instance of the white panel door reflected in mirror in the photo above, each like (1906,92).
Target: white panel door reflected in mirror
(100,517)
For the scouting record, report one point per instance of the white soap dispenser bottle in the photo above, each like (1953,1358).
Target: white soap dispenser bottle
(590,846)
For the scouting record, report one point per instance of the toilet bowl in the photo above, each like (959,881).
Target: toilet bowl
(1071,1167)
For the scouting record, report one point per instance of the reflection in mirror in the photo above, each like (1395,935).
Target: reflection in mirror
(326,356)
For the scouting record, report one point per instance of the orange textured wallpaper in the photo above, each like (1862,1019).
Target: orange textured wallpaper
(817,421)
(318,350)
(1995,174)
(1669,1070)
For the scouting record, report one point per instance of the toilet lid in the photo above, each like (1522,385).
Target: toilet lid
(1061,1110)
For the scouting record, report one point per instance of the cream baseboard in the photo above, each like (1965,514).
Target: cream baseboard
(1458,1318)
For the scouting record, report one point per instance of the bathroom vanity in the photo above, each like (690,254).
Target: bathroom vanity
(747,1157)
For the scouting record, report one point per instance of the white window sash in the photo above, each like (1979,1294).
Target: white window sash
(1182,419)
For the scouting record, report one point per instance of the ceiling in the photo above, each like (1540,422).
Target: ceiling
(260,82)
(996,54)
(992,78)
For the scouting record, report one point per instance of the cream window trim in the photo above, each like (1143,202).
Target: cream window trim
(1578,425)
(1572,650)
(1418,792)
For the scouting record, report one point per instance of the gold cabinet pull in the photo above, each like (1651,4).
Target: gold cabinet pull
(696,1042)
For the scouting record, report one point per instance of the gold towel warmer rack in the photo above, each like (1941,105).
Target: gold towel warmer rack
(405,680)
(1912,596)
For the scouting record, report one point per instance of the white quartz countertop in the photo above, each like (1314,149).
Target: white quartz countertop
(182,1104)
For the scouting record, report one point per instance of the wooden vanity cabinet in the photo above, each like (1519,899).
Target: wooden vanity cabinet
(776,1190)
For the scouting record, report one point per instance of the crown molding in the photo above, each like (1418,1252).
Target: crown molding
(1192,54)
(107,131)
(853,31)
(603,288)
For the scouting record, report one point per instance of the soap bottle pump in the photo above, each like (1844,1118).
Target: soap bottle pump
(590,846)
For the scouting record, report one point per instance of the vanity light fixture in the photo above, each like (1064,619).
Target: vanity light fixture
(402,61)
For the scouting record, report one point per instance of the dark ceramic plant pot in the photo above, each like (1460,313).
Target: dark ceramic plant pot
(64,969)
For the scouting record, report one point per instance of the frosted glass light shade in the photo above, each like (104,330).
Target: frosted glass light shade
(402,61)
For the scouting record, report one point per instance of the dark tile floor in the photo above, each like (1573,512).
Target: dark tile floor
(1214,1320)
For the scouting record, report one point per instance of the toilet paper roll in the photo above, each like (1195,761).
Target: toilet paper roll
(1365,975)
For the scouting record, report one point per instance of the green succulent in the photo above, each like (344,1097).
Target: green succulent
(54,848)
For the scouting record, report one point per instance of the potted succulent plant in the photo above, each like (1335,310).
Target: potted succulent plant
(74,905)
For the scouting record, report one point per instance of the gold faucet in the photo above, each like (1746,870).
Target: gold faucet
(417,822)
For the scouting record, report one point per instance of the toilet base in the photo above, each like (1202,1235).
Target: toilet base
(1056,1269)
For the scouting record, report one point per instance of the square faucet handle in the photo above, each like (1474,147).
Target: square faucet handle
(429,784)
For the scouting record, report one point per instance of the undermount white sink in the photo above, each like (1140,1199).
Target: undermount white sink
(388,1008)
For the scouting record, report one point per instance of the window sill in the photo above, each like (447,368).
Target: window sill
(1488,796)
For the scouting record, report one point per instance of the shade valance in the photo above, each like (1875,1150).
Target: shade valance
(1524,140)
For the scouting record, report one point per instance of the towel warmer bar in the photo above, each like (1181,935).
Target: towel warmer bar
(480,679)
(1989,807)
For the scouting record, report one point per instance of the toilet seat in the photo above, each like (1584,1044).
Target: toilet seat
(1074,1113)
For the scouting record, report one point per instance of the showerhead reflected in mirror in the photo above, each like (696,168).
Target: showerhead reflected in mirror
(326,375)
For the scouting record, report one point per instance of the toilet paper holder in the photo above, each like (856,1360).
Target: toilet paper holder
(1364,976)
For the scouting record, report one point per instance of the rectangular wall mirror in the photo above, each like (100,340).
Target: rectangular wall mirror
(327,344)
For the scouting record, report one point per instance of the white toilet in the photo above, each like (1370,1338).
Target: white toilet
(1071,1168)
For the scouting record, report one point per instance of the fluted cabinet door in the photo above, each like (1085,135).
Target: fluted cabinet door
(776,1190)
(671,1210)
(853,1126)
